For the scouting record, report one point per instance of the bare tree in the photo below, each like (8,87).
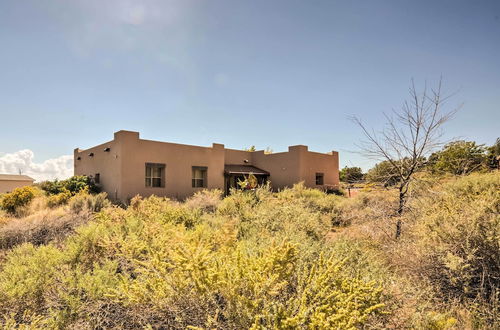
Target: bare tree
(410,135)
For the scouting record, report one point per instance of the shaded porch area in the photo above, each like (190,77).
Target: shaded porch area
(235,173)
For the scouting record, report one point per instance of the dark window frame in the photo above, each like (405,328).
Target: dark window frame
(97,178)
(320,179)
(199,182)
(152,179)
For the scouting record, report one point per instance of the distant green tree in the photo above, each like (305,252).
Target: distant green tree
(383,172)
(78,183)
(251,148)
(351,174)
(493,154)
(74,185)
(459,158)
(52,187)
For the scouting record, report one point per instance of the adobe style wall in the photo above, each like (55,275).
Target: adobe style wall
(107,164)
(178,159)
(122,168)
(9,185)
(287,168)
(299,164)
(315,162)
(284,167)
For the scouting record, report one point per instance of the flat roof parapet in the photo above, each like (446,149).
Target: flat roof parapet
(123,133)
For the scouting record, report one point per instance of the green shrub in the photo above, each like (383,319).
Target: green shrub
(83,201)
(20,197)
(78,183)
(164,210)
(308,197)
(52,187)
(74,185)
(26,275)
(459,229)
(336,191)
(238,204)
(259,260)
(163,264)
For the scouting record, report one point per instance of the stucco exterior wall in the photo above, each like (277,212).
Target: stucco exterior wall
(284,167)
(178,159)
(107,164)
(313,162)
(9,185)
(237,157)
(122,168)
(299,164)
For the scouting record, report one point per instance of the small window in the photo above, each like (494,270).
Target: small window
(155,175)
(97,178)
(199,177)
(319,179)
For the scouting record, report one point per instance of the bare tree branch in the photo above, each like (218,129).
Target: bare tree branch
(410,135)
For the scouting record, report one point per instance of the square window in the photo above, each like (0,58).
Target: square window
(199,179)
(155,175)
(319,179)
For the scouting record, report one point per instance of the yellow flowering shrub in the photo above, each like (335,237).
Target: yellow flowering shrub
(19,197)
(162,264)
(58,199)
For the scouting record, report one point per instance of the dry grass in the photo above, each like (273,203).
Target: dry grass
(40,227)
(206,200)
(180,240)
(39,224)
(259,261)
(445,267)
(368,215)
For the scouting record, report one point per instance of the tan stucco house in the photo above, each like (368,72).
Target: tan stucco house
(9,182)
(128,165)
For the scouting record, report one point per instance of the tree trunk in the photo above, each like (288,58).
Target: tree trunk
(403,190)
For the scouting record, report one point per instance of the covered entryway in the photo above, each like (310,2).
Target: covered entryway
(235,173)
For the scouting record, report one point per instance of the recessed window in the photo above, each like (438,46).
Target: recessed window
(199,177)
(319,179)
(155,175)
(97,178)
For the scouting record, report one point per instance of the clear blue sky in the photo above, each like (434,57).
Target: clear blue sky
(260,72)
